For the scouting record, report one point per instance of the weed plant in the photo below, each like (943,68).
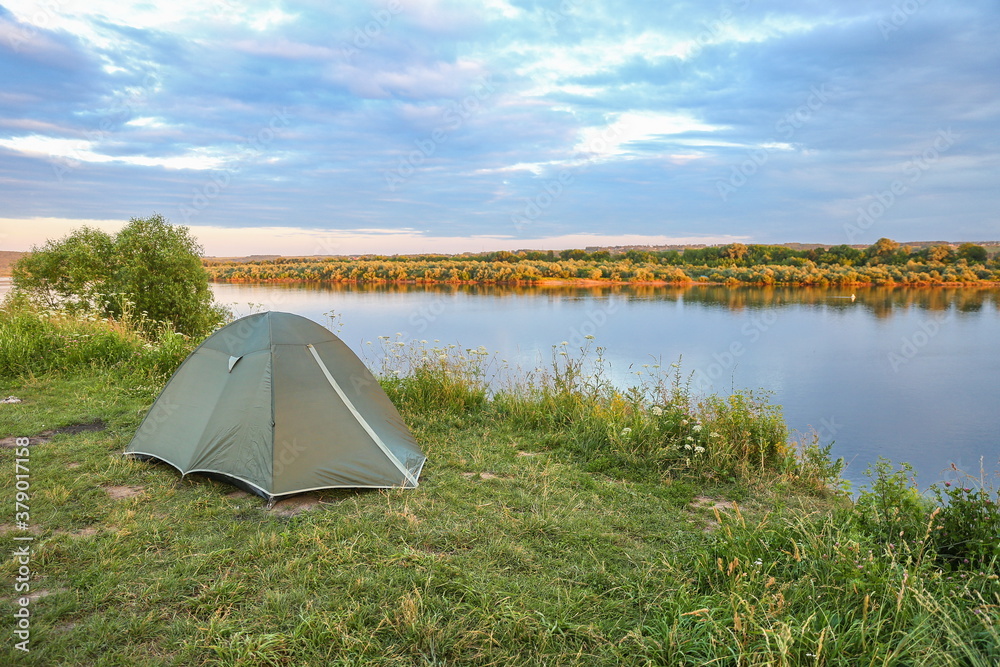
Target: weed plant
(559,521)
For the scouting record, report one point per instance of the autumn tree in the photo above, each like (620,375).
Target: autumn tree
(973,253)
(150,271)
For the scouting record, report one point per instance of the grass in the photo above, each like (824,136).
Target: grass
(542,532)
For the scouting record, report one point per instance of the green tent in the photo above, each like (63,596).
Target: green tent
(276,404)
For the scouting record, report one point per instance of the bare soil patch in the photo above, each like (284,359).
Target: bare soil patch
(296,504)
(83,532)
(481,475)
(10,528)
(34,595)
(122,492)
(45,436)
(711,503)
(716,505)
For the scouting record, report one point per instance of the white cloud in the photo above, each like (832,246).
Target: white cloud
(632,127)
(73,151)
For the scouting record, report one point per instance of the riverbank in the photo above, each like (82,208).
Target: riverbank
(587,282)
(557,522)
(795,271)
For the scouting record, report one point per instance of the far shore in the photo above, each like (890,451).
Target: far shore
(589,282)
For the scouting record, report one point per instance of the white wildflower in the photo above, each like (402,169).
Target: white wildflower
(589,336)
(564,343)
(690,439)
(626,431)
(699,450)
(696,428)
(656,410)
(713,434)
(688,447)
(443,357)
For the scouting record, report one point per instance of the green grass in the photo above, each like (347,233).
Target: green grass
(540,534)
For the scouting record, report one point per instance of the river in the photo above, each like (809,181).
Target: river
(909,374)
(906,373)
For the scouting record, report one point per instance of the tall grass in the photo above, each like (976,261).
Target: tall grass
(36,340)
(655,430)
(554,524)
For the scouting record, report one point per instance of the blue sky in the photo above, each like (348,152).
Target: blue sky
(421,125)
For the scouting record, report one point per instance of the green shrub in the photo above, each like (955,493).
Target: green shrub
(967,529)
(149,273)
(892,509)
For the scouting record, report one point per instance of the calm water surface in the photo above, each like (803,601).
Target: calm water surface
(909,374)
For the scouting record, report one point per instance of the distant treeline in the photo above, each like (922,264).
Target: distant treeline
(885,262)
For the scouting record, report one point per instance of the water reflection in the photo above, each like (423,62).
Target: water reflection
(879,301)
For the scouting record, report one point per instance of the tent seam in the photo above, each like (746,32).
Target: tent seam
(407,475)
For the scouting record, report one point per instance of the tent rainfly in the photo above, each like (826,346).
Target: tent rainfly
(276,404)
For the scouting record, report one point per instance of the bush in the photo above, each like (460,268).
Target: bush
(892,509)
(149,273)
(967,532)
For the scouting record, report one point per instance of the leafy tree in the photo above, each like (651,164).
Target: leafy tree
(972,252)
(882,250)
(735,251)
(70,272)
(844,255)
(502,256)
(574,253)
(639,256)
(669,257)
(939,253)
(150,271)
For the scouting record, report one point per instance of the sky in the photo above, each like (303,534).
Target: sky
(397,126)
